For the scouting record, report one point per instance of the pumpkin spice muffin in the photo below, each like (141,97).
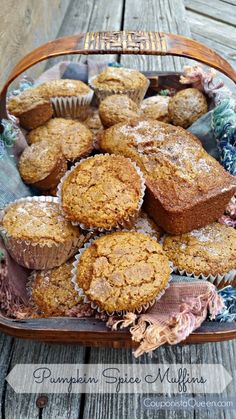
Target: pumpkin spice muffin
(117,108)
(70,98)
(31,108)
(102,192)
(42,165)
(210,250)
(156,107)
(52,291)
(187,106)
(144,224)
(120,81)
(76,140)
(122,271)
(37,235)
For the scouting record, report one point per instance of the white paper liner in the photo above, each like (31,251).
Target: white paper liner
(38,256)
(136,95)
(93,305)
(227,277)
(125,223)
(72,106)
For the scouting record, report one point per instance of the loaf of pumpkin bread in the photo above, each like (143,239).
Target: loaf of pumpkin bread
(186,187)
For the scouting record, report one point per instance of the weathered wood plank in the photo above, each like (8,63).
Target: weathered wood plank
(211,29)
(25,25)
(215,9)
(131,405)
(153,15)
(91,16)
(6,350)
(21,406)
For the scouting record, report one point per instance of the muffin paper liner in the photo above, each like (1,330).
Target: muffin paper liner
(136,95)
(226,278)
(72,106)
(126,222)
(38,256)
(93,305)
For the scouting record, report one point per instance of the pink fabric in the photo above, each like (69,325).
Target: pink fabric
(180,311)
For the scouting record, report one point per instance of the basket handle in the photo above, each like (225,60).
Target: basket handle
(119,42)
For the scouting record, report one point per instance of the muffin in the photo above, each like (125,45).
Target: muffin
(144,224)
(187,106)
(76,139)
(93,121)
(69,98)
(122,271)
(36,234)
(52,291)
(208,251)
(30,108)
(102,192)
(117,108)
(156,107)
(42,165)
(120,81)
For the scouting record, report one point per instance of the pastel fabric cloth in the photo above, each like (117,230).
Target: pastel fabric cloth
(180,311)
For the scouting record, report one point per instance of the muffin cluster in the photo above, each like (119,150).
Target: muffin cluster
(102,149)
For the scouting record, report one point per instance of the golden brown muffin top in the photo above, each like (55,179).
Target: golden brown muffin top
(187,106)
(93,122)
(26,101)
(53,292)
(208,250)
(39,222)
(119,78)
(173,161)
(156,107)
(144,224)
(75,138)
(63,87)
(39,160)
(117,108)
(102,191)
(123,271)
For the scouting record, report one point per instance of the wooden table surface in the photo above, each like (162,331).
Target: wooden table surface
(161,15)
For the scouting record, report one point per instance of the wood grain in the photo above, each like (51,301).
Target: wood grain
(215,9)
(131,406)
(22,406)
(156,15)
(24,25)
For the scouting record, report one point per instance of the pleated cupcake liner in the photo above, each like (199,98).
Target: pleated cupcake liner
(136,95)
(37,255)
(94,306)
(75,107)
(227,278)
(126,222)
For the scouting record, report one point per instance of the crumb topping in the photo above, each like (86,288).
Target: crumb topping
(123,271)
(101,191)
(39,222)
(119,78)
(208,250)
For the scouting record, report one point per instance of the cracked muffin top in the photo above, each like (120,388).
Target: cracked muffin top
(39,222)
(187,106)
(39,160)
(119,78)
(63,87)
(103,192)
(123,271)
(117,108)
(156,107)
(144,224)
(75,138)
(210,250)
(52,291)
